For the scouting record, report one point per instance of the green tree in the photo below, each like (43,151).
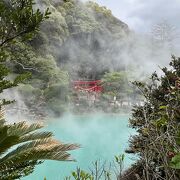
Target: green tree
(116,84)
(19,22)
(158,126)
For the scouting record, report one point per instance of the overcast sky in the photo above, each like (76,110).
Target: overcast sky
(140,15)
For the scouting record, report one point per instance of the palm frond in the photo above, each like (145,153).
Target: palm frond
(23,128)
(51,153)
(35,136)
(32,146)
(19,170)
(40,145)
(3,133)
(2,120)
(27,147)
(7,143)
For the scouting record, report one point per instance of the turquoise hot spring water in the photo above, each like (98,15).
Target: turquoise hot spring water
(101,136)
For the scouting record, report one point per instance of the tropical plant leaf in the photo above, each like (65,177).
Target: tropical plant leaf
(35,136)
(8,143)
(23,128)
(32,146)
(175,162)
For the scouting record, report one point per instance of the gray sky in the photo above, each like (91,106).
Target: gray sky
(140,15)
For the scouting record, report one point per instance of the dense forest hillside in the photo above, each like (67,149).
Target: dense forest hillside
(78,41)
(82,34)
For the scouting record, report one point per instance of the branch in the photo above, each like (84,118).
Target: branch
(13,37)
(26,68)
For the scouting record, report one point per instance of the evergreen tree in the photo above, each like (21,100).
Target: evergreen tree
(19,22)
(158,124)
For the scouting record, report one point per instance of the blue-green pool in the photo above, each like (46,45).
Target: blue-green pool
(101,137)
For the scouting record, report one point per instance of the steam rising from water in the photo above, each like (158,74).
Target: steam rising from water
(135,53)
(102,136)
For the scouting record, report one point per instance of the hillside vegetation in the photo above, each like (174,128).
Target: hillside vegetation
(76,42)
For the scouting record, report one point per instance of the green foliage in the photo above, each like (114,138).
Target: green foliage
(115,83)
(5,83)
(157,123)
(18,20)
(78,20)
(101,10)
(71,35)
(81,175)
(54,30)
(77,34)
(100,170)
(119,159)
(56,97)
(28,147)
(21,146)
(22,170)
(58,90)
(108,21)
(175,162)
(45,74)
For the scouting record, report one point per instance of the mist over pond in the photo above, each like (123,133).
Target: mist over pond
(81,68)
(102,136)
